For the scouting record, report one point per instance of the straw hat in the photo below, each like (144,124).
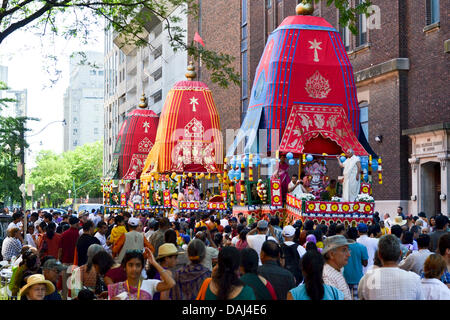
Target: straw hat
(399,220)
(333,242)
(37,279)
(166,250)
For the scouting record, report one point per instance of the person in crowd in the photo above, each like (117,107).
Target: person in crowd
(102,228)
(415,260)
(440,228)
(257,236)
(281,279)
(371,244)
(167,258)
(84,242)
(52,269)
(135,288)
(313,287)
(374,231)
(393,283)
(423,219)
(397,231)
(433,287)
(336,253)
(170,236)
(118,230)
(189,278)
(444,251)
(383,228)
(212,253)
(407,240)
(50,242)
(11,246)
(353,270)
(41,230)
(66,252)
(132,240)
(225,283)
(292,253)
(249,276)
(295,187)
(30,237)
(432,225)
(86,276)
(109,272)
(37,288)
(17,222)
(400,212)
(307,229)
(29,265)
(242,243)
(157,238)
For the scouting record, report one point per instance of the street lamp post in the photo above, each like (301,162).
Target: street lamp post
(69,191)
(49,199)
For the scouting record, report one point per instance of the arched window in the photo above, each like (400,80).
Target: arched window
(364,118)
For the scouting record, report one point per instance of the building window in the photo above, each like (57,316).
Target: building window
(157,96)
(268,4)
(157,52)
(364,118)
(95,130)
(92,72)
(432,7)
(345,36)
(361,38)
(157,74)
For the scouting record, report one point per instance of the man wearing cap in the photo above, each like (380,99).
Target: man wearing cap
(371,244)
(257,236)
(336,254)
(52,270)
(132,240)
(292,251)
(66,252)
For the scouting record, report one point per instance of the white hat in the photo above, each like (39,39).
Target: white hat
(288,231)
(134,222)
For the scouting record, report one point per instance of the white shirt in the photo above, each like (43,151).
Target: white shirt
(29,240)
(211,253)
(235,240)
(301,251)
(224,222)
(372,245)
(390,284)
(256,241)
(334,278)
(424,223)
(102,239)
(15,225)
(434,289)
(297,191)
(415,261)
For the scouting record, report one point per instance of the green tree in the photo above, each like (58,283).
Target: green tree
(57,173)
(130,18)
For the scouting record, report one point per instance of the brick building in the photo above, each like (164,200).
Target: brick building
(401,70)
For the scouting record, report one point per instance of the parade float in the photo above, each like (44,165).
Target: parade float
(136,137)
(304,96)
(187,157)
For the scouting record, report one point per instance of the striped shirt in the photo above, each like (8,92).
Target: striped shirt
(336,279)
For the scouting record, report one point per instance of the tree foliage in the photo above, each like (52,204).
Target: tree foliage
(58,173)
(132,19)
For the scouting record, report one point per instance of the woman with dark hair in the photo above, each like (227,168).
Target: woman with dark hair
(190,277)
(170,236)
(249,275)
(135,288)
(313,287)
(225,283)
(311,246)
(308,228)
(41,228)
(29,265)
(319,237)
(242,243)
(407,239)
(50,242)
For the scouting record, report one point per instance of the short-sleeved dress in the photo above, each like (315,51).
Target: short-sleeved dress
(146,292)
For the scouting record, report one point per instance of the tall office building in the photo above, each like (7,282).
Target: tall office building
(132,71)
(83,101)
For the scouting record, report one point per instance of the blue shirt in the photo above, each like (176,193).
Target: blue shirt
(330,293)
(353,271)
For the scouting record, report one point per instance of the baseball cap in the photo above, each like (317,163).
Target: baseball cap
(288,231)
(134,222)
(53,264)
(73,220)
(262,224)
(362,227)
(333,242)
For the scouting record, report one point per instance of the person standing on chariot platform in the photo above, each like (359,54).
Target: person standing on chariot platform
(351,184)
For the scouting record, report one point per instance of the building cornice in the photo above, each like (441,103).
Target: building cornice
(397,64)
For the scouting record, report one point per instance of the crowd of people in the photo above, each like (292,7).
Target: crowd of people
(209,256)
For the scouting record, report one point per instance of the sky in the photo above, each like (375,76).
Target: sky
(23,52)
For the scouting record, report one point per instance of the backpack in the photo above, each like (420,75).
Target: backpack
(292,261)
